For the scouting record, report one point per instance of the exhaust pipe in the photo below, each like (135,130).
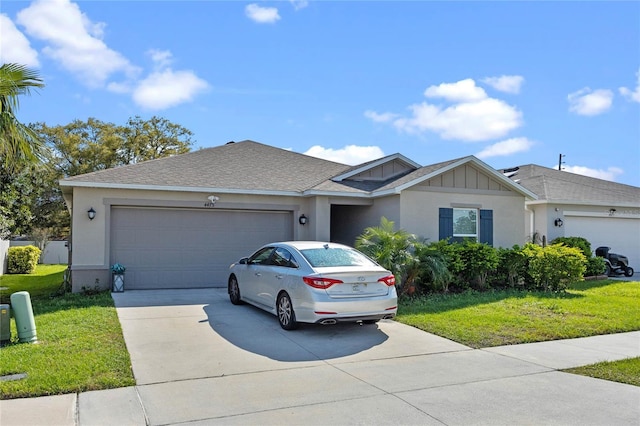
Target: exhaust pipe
(388,317)
(329,321)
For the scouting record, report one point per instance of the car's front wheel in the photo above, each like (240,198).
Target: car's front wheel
(234,291)
(286,315)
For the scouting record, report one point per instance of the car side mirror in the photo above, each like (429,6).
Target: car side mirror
(244,261)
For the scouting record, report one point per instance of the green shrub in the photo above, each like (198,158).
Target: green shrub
(595,266)
(511,269)
(577,242)
(22,260)
(480,260)
(433,270)
(453,259)
(553,267)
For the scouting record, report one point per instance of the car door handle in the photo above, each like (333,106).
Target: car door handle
(258,274)
(279,277)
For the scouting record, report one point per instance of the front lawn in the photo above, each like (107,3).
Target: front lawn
(481,320)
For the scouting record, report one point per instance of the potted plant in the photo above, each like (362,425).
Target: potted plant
(117,270)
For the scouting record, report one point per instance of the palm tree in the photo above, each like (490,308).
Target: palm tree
(18,143)
(392,249)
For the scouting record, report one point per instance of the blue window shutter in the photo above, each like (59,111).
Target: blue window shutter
(446,223)
(486,227)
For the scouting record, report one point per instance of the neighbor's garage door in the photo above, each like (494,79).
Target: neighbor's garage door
(185,248)
(619,233)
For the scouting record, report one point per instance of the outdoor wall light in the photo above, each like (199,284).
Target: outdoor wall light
(91,213)
(558,222)
(302,219)
(612,212)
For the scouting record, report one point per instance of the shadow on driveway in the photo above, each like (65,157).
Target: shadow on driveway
(259,332)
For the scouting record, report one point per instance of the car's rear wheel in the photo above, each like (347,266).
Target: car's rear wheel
(286,315)
(234,291)
(628,272)
(607,270)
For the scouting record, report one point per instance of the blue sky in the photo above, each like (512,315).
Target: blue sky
(510,82)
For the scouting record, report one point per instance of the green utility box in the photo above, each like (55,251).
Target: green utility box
(5,323)
(23,313)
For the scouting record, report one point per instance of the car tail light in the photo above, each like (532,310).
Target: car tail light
(319,282)
(389,280)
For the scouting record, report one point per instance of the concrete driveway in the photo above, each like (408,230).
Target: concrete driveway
(198,358)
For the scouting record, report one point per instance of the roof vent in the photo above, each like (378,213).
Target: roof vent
(229,143)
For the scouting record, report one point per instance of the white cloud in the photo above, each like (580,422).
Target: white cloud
(632,94)
(262,15)
(505,83)
(469,121)
(74,41)
(380,118)
(14,46)
(167,88)
(461,91)
(350,154)
(609,174)
(160,58)
(507,147)
(299,4)
(473,116)
(590,102)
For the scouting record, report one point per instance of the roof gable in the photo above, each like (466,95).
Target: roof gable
(467,172)
(382,169)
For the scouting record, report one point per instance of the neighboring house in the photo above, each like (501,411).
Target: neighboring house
(181,221)
(570,205)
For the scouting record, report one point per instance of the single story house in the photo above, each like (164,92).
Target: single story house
(570,205)
(180,221)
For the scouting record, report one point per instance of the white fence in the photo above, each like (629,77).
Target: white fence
(4,248)
(55,252)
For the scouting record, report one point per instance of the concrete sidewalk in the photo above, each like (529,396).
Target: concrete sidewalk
(198,359)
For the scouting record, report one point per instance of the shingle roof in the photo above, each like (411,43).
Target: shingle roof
(561,186)
(246,165)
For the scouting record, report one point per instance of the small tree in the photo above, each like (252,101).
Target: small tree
(392,249)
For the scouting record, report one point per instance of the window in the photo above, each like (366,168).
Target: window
(455,225)
(334,256)
(465,223)
(282,257)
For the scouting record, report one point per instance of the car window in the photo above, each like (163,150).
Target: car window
(336,256)
(261,257)
(282,257)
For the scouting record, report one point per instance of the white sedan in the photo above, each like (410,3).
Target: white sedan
(314,282)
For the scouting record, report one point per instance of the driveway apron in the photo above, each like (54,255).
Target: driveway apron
(199,359)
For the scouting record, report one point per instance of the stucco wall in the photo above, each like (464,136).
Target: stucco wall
(349,221)
(90,239)
(420,211)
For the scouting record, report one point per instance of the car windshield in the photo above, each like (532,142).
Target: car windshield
(335,256)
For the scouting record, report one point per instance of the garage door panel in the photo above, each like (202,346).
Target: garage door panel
(185,248)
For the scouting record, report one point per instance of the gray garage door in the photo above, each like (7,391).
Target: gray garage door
(185,248)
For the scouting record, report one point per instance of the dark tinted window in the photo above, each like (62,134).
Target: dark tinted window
(282,257)
(261,257)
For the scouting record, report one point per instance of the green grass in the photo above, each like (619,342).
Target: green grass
(588,308)
(480,320)
(45,281)
(80,344)
(624,371)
